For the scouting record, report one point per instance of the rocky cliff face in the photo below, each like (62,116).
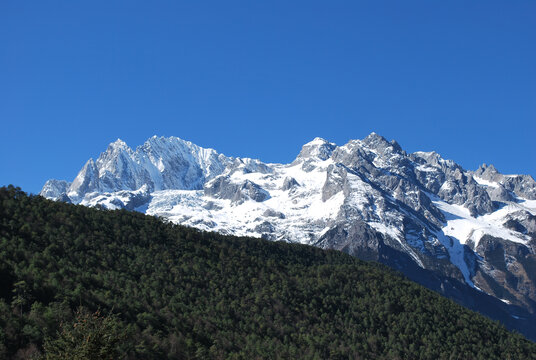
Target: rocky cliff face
(470,235)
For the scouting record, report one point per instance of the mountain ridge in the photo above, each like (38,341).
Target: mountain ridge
(475,227)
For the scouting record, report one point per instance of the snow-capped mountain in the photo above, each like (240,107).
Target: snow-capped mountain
(419,213)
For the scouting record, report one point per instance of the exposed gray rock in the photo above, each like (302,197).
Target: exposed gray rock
(477,199)
(273,213)
(313,152)
(254,191)
(522,222)
(357,239)
(210,205)
(354,156)
(205,222)
(264,227)
(521,185)
(86,181)
(335,182)
(499,193)
(410,194)
(507,270)
(462,190)
(318,149)
(134,200)
(381,145)
(489,173)
(223,188)
(289,183)
(246,166)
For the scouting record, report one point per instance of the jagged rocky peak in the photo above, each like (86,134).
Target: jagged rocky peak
(55,189)
(86,181)
(182,164)
(499,186)
(118,145)
(379,143)
(160,163)
(318,149)
(116,161)
(491,179)
(431,158)
(120,168)
(169,147)
(522,185)
(488,172)
(113,153)
(427,157)
(371,155)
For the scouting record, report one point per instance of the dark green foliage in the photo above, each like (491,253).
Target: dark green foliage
(91,336)
(184,294)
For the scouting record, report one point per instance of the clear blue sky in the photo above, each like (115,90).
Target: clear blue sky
(260,78)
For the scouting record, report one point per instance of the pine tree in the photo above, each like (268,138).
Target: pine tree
(92,336)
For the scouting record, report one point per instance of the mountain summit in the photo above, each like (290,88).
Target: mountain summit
(464,233)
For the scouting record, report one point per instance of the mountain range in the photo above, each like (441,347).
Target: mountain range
(470,235)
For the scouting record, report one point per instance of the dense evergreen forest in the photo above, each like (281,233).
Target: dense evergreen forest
(141,288)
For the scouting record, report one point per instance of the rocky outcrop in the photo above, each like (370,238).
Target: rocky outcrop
(521,185)
(289,183)
(507,270)
(224,188)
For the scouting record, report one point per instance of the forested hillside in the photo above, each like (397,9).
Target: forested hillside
(178,293)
